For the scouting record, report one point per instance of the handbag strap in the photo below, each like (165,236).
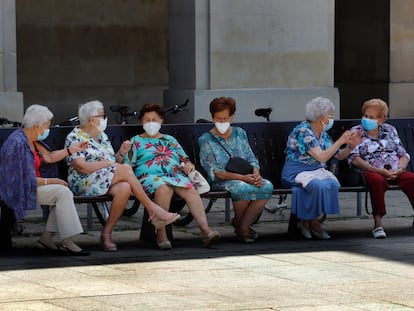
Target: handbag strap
(215,138)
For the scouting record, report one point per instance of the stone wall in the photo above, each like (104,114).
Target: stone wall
(402,59)
(71,51)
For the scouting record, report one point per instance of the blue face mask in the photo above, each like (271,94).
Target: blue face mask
(44,135)
(369,124)
(327,127)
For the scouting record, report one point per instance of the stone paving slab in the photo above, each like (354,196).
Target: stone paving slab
(352,271)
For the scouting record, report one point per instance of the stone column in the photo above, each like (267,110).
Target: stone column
(277,54)
(401,89)
(11,101)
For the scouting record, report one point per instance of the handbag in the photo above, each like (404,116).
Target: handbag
(236,164)
(199,182)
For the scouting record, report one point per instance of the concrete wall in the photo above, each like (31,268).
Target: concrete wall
(11,102)
(401,87)
(264,53)
(71,51)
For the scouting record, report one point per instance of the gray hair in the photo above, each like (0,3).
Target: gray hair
(318,107)
(88,110)
(36,115)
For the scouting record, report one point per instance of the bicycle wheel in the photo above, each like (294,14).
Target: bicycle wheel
(131,209)
(101,211)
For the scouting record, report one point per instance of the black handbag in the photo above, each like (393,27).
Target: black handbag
(236,164)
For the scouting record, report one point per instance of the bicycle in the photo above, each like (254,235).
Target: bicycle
(124,117)
(5,121)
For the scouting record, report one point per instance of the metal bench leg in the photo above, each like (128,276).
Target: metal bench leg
(227,210)
(359,205)
(89,216)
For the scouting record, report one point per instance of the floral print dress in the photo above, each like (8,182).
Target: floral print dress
(97,182)
(214,158)
(157,161)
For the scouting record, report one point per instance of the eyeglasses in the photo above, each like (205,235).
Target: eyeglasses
(104,116)
(330,117)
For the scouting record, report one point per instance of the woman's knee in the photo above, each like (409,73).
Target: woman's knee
(120,189)
(164,191)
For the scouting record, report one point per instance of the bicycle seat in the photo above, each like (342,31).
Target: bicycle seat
(118,108)
(263,112)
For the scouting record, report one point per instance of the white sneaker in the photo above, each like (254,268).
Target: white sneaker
(379,233)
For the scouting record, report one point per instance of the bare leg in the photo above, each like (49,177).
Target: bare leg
(377,221)
(196,207)
(251,213)
(239,208)
(162,197)
(124,173)
(120,193)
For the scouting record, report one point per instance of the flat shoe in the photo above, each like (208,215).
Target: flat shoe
(379,233)
(166,245)
(210,238)
(107,245)
(162,223)
(306,233)
(70,252)
(321,235)
(45,246)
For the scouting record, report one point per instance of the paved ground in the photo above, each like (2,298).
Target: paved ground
(350,272)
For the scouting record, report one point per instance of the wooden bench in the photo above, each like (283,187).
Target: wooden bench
(267,139)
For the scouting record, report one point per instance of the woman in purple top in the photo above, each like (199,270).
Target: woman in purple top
(382,158)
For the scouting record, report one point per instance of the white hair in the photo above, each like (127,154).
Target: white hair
(36,115)
(318,107)
(88,110)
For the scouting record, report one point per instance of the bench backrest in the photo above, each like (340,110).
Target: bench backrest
(267,139)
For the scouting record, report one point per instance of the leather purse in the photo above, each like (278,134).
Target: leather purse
(236,164)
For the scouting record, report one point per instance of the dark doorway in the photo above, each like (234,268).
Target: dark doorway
(362,40)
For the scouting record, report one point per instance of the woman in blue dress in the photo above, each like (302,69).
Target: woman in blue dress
(161,165)
(309,147)
(249,192)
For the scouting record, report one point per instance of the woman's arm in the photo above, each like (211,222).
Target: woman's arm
(57,155)
(83,167)
(324,155)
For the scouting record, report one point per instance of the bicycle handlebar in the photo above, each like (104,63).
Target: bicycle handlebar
(7,121)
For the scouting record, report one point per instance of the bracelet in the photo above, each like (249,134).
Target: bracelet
(68,150)
(45,181)
(121,155)
(402,168)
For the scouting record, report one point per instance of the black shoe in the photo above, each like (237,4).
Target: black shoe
(70,252)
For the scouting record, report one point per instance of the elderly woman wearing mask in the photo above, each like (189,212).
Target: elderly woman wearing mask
(157,158)
(22,185)
(249,192)
(314,189)
(98,170)
(382,158)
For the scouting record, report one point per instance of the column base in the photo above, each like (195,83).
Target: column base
(12,106)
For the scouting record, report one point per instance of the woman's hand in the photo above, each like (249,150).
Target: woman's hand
(54,181)
(254,179)
(187,167)
(78,146)
(125,147)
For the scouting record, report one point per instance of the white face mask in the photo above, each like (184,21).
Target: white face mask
(102,125)
(152,128)
(222,127)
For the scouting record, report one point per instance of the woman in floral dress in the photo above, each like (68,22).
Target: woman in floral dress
(161,165)
(97,170)
(249,192)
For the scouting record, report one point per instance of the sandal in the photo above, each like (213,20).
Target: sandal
(210,238)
